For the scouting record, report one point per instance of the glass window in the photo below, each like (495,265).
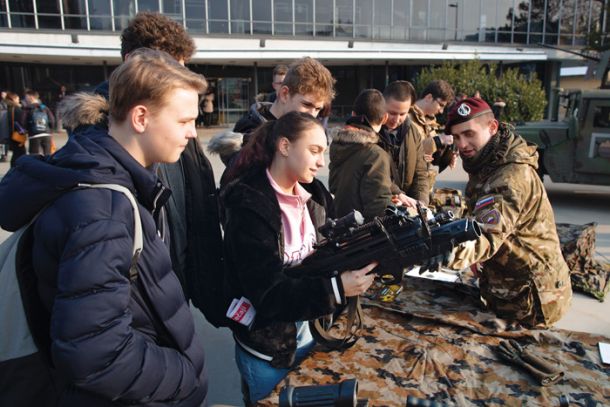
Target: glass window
(22,14)
(504,17)
(195,15)
(99,15)
(401,20)
(3,14)
(536,22)
(489,20)
(48,14)
(440,17)
(521,21)
(303,15)
(261,14)
(283,17)
(419,18)
(218,16)
(364,11)
(240,16)
(324,18)
(148,5)
(283,10)
(552,22)
(75,15)
(172,7)
(382,23)
(569,12)
(469,20)
(123,12)
(601,118)
(345,18)
(586,9)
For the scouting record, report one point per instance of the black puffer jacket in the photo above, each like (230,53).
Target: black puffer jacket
(192,211)
(254,257)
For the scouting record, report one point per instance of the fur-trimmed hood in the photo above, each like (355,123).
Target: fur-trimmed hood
(226,145)
(354,135)
(83,109)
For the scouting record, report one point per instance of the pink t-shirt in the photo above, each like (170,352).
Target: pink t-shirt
(299,231)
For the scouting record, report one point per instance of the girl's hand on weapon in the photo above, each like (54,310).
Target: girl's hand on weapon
(356,282)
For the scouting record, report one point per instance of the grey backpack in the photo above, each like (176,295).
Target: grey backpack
(17,339)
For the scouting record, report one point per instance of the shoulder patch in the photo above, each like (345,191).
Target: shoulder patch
(483,202)
(491,217)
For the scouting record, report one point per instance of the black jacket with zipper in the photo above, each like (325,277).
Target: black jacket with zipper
(254,247)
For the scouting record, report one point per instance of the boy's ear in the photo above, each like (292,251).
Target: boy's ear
(138,116)
(385,118)
(283,94)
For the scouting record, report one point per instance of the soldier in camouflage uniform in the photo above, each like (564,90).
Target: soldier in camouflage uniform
(523,275)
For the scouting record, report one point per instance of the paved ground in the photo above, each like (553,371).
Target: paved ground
(572,204)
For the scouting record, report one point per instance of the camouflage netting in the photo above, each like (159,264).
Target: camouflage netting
(578,247)
(434,342)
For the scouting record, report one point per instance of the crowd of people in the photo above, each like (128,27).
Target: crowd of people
(115,338)
(32,119)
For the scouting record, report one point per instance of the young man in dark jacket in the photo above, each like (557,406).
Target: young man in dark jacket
(307,87)
(192,210)
(39,121)
(114,340)
(360,175)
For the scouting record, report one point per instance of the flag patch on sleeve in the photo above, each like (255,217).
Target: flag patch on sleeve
(483,202)
(491,217)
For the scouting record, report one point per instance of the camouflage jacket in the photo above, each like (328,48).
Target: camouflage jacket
(524,275)
(427,127)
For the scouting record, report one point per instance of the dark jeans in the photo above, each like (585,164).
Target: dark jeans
(17,150)
(40,145)
(207,119)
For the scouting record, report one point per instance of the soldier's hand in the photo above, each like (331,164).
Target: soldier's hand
(356,282)
(407,201)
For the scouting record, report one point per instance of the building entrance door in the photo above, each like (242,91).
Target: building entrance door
(233,95)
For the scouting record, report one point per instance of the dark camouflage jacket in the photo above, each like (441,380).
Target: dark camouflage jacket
(524,275)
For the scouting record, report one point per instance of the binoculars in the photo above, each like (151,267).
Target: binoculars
(343,394)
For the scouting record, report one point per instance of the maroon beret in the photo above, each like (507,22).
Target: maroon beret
(464,110)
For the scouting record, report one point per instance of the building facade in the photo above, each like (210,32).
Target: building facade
(45,44)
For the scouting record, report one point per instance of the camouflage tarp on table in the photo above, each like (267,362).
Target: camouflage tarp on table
(435,343)
(578,248)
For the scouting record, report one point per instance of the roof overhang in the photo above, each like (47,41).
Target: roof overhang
(98,48)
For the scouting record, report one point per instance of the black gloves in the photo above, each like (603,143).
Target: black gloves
(435,263)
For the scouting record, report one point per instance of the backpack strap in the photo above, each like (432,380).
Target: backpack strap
(138,240)
(29,315)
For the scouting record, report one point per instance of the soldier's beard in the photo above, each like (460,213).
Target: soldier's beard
(482,157)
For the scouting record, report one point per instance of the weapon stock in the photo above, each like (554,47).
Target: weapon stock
(395,241)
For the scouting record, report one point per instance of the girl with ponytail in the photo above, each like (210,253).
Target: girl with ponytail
(273,207)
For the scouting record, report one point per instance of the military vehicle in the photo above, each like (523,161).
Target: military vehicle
(575,148)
